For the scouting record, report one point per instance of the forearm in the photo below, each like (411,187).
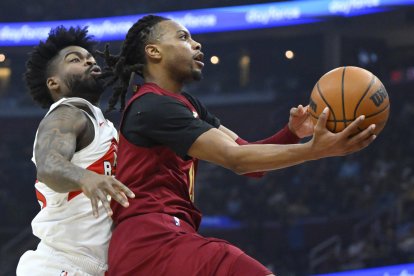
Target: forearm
(284,136)
(216,147)
(60,174)
(259,158)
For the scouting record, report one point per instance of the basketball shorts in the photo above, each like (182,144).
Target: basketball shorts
(47,261)
(159,244)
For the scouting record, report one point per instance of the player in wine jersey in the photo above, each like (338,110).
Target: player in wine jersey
(75,157)
(163,133)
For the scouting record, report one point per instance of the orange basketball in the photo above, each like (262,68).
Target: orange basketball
(350,92)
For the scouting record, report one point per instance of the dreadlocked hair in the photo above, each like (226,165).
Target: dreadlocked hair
(38,67)
(130,60)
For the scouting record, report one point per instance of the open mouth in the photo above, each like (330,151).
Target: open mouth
(199,59)
(95,71)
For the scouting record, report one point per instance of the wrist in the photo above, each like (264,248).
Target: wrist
(312,152)
(291,132)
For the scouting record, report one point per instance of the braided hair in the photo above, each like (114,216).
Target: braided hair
(39,65)
(130,60)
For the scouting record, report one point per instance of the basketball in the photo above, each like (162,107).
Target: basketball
(350,92)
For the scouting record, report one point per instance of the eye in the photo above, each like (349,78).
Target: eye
(75,59)
(184,36)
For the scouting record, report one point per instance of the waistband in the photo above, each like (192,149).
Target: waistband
(85,263)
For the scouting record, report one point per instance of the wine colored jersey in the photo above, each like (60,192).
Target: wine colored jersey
(157,129)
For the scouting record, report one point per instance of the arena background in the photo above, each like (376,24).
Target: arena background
(330,215)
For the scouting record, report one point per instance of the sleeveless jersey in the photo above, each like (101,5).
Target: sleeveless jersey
(161,180)
(65,221)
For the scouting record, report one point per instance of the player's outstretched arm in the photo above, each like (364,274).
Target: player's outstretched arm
(217,147)
(58,136)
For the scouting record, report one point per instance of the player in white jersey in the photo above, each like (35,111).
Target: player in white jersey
(75,157)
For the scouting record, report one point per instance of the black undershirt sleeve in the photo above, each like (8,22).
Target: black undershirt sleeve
(204,114)
(153,120)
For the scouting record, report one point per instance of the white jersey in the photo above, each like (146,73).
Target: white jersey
(65,221)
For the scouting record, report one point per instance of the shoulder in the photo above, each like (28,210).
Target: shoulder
(152,98)
(156,110)
(153,102)
(65,116)
(192,99)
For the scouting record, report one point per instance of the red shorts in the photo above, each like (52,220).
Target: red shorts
(159,244)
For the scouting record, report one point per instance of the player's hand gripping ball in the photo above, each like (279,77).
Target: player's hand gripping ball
(350,92)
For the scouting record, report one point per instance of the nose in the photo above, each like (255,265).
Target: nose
(196,45)
(90,62)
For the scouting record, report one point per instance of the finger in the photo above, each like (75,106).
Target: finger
(363,135)
(124,189)
(323,118)
(363,144)
(94,204)
(118,196)
(303,110)
(299,111)
(122,194)
(105,202)
(116,192)
(353,127)
(293,111)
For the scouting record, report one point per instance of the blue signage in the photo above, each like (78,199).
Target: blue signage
(395,270)
(208,20)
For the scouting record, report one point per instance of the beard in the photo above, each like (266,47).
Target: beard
(85,86)
(197,75)
(194,75)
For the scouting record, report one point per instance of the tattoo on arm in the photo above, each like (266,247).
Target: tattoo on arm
(55,147)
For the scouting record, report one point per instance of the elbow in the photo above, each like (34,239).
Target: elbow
(43,174)
(238,168)
(234,162)
(46,175)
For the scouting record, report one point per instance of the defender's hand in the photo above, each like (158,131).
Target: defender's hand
(98,187)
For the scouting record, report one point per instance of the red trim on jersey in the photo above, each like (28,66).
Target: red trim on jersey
(40,197)
(73,194)
(98,166)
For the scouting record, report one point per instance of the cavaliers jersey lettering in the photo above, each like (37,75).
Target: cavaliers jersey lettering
(65,220)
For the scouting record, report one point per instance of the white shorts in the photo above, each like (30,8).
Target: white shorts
(47,261)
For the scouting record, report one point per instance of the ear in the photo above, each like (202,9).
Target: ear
(53,84)
(153,52)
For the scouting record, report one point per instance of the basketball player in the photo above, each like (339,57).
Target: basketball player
(75,157)
(163,133)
